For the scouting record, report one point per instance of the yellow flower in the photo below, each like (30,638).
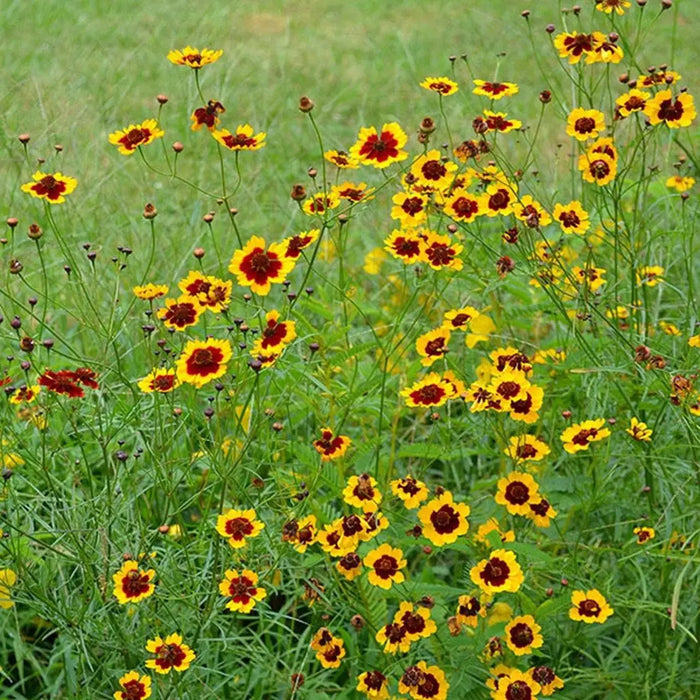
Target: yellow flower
(584,124)
(159,380)
(675,113)
(382,148)
(150,291)
(134,687)
(516,491)
(492,525)
(598,168)
(432,346)
(516,684)
(242,139)
(411,491)
(523,635)
(170,653)
(526,448)
(589,606)
(52,188)
(443,86)
(385,564)
(258,268)
(651,275)
(608,6)
(580,435)
(679,183)
(135,135)
(632,101)
(194,58)
(8,578)
(362,492)
(500,572)
(669,328)
(202,361)
(443,520)
(243,590)
(495,91)
(644,534)
(639,430)
(25,394)
(131,584)
(572,217)
(238,526)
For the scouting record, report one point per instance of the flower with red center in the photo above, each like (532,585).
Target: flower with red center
(432,346)
(149,291)
(482,398)
(429,391)
(170,653)
(242,589)
(608,6)
(202,361)
(526,409)
(351,529)
(134,687)
(433,173)
(135,135)
(207,116)
(374,685)
(302,533)
(380,149)
(440,253)
(589,606)
(443,520)
(492,526)
(531,212)
(215,296)
(194,284)
(547,679)
(510,359)
(393,637)
(572,217)
(331,446)
(644,534)
(585,124)
(258,268)
(526,448)
(469,610)
(580,435)
(516,685)
(598,168)
(459,319)
(659,77)
(650,275)
(604,50)
(462,206)
(242,139)
(349,566)
(417,623)
(295,244)
(443,86)
(411,491)
(523,635)
(180,313)
(24,394)
(674,112)
(238,526)
(574,45)
(495,91)
(407,246)
(498,121)
(375,522)
(131,584)
(331,656)
(322,639)
(409,208)
(516,491)
(639,431)
(509,385)
(52,188)
(194,58)
(62,382)
(351,192)
(498,200)
(632,101)
(320,203)
(385,564)
(275,336)
(341,159)
(362,492)
(333,542)
(423,682)
(541,511)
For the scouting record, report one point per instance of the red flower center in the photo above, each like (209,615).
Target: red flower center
(169,655)
(635,103)
(50,186)
(576,45)
(495,572)
(518,690)
(508,389)
(181,315)
(238,528)
(433,170)
(406,247)
(204,361)
(589,608)
(380,147)
(374,680)
(463,206)
(517,493)
(584,125)
(599,169)
(350,561)
(499,200)
(259,266)
(135,584)
(241,589)
(440,254)
(526,452)
(133,690)
(521,635)
(445,520)
(435,348)
(428,395)
(412,205)
(351,525)
(429,687)
(471,608)
(541,508)
(386,566)
(413,623)
(543,675)
(570,219)
(583,437)
(273,334)
(671,111)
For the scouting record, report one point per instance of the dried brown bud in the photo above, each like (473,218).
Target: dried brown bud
(511,235)
(427,601)
(656,362)
(480,125)
(641,353)
(357,621)
(312,172)
(149,211)
(26,344)
(454,626)
(305,104)
(525,13)
(297,680)
(504,265)
(298,193)
(257,483)
(58,147)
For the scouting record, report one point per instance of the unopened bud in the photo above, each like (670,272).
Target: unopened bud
(178,147)
(545,97)
(198,253)
(550,29)
(427,125)
(298,193)
(34,232)
(12,222)
(24,138)
(149,211)
(305,104)
(15,266)
(525,13)
(357,621)
(162,99)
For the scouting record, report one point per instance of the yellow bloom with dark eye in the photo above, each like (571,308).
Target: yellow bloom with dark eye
(443,520)
(498,200)
(353,192)
(584,124)
(548,680)
(242,589)
(461,205)
(305,534)
(242,139)
(417,623)
(385,564)
(380,148)
(349,566)
(432,172)
(8,578)
(572,217)
(170,653)
(194,58)
(644,534)
(422,681)
(275,336)
(679,183)
(523,635)
(659,78)
(589,606)
(207,116)
(331,446)
(331,655)
(469,610)
(374,685)
(650,275)
(632,101)
(427,392)
(516,684)
(531,212)
(24,394)
(604,50)
(131,584)
(320,203)
(341,160)
(492,525)
(598,168)
(375,522)
(669,328)
(639,431)
(608,6)
(509,385)
(362,492)
(432,346)
(580,435)
(589,275)
(573,45)
(674,112)
(52,188)
(180,313)
(516,491)
(259,267)
(411,491)
(526,447)
(405,245)
(526,409)
(499,121)
(541,512)
(134,687)
(459,319)
(494,90)
(443,86)
(694,341)
(500,572)
(133,136)
(150,291)
(393,637)
(331,540)
(409,208)
(238,526)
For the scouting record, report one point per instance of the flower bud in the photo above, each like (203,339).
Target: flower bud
(26,344)
(178,147)
(427,125)
(550,29)
(545,97)
(149,211)
(162,99)
(305,104)
(298,193)
(24,138)
(12,222)
(198,253)
(15,266)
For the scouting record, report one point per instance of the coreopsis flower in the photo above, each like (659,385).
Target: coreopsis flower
(523,635)
(598,168)
(409,208)
(349,566)
(650,275)
(321,639)
(194,58)
(463,206)
(584,124)
(432,346)
(407,246)
(351,528)
(606,146)
(669,328)
(632,101)
(516,491)
(440,253)
(362,492)
(258,268)
(494,90)
(531,212)
(427,392)
(469,610)
(133,136)
(694,341)
(674,112)
(572,217)
(644,534)
(385,564)
(417,623)
(24,394)
(604,50)
(609,6)
(443,520)
(238,526)
(579,436)
(510,359)
(321,202)
(8,578)
(374,685)
(639,431)
(431,172)
(301,534)
(394,638)
(374,523)
(331,540)
(207,291)
(331,446)
(411,491)
(516,684)
(332,653)
(509,385)
(547,679)
(541,512)
(679,183)
(149,291)
(202,361)
(443,86)
(573,45)
(132,584)
(589,275)
(52,188)
(295,244)
(589,606)
(68,382)
(499,121)
(527,408)
(498,200)
(423,682)
(524,448)
(341,159)
(482,398)
(207,116)
(543,357)
(180,313)
(242,139)
(500,572)
(352,192)
(380,149)
(659,77)
(492,525)
(242,589)
(134,687)
(275,336)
